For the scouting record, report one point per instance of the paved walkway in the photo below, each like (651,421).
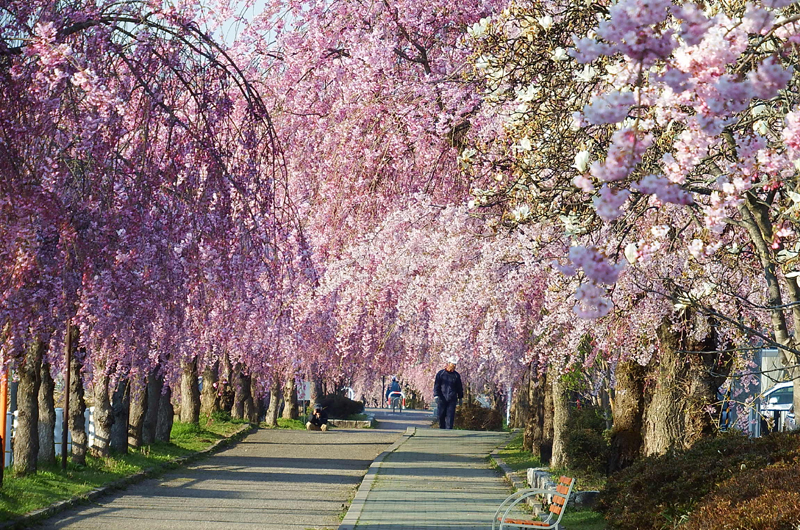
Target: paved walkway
(298,480)
(435,480)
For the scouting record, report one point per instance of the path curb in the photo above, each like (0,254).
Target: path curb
(357,506)
(60,506)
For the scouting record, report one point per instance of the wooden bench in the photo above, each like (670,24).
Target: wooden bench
(558,503)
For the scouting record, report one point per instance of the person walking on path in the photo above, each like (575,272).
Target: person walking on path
(318,421)
(448,392)
(394,395)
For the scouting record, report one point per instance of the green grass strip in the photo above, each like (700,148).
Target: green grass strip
(22,495)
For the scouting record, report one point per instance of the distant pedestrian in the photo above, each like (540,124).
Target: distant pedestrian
(318,421)
(394,395)
(448,392)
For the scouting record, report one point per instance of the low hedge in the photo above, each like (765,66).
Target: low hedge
(757,499)
(659,492)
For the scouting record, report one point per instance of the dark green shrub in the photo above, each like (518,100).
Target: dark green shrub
(587,451)
(756,499)
(585,443)
(473,417)
(659,491)
(339,406)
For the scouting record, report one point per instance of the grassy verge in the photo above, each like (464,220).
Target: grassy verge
(516,458)
(582,520)
(519,460)
(294,425)
(19,496)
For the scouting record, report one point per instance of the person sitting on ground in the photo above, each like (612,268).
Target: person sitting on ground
(318,421)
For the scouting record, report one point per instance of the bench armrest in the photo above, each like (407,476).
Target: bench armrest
(515,498)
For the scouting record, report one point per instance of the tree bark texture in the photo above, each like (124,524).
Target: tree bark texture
(239,392)
(120,408)
(626,433)
(209,397)
(519,413)
(560,417)
(538,436)
(290,411)
(675,413)
(155,384)
(253,414)
(47,417)
(77,407)
(248,406)
(166,415)
(138,410)
(190,393)
(103,417)
(274,402)
(26,437)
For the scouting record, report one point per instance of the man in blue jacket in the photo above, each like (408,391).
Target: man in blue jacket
(448,392)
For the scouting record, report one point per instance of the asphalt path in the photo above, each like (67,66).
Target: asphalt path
(272,480)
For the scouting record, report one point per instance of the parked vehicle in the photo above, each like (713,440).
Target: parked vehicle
(780,397)
(776,408)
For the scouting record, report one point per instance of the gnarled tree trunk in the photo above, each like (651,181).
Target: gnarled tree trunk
(120,408)
(47,417)
(538,435)
(520,410)
(274,402)
(626,433)
(240,391)
(675,414)
(154,386)
(560,418)
(251,407)
(103,417)
(166,415)
(138,410)
(26,436)
(247,403)
(290,398)
(77,407)
(209,396)
(190,393)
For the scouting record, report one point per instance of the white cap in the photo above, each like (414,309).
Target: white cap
(452,360)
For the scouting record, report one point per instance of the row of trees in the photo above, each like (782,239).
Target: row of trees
(345,190)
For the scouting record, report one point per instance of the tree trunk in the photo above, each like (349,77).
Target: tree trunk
(247,404)
(77,407)
(190,393)
(26,436)
(47,417)
(538,436)
(120,408)
(519,414)
(253,414)
(626,434)
(675,414)
(274,402)
(166,415)
(138,410)
(560,418)
(225,386)
(209,398)
(240,391)
(154,386)
(103,418)
(317,392)
(290,398)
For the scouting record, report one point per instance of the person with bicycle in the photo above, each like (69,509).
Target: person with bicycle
(394,395)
